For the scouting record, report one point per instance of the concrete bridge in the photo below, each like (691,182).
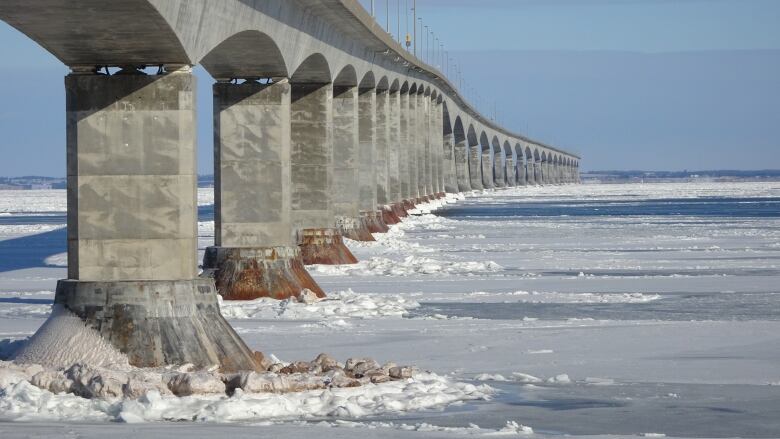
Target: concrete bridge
(324,127)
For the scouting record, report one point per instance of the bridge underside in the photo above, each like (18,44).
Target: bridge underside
(315,139)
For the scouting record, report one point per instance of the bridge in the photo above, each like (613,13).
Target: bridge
(324,127)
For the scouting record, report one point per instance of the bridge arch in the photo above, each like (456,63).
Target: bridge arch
(247,54)
(313,70)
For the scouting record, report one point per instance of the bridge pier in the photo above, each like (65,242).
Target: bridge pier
(487,170)
(382,152)
(394,158)
(475,167)
(255,254)
(460,153)
(312,175)
(511,177)
(520,169)
(413,120)
(499,178)
(405,156)
(132,226)
(349,221)
(421,137)
(449,170)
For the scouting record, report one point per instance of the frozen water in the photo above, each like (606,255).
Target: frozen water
(636,310)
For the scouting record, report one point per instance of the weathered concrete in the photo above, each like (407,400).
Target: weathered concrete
(312,175)
(450,180)
(325,247)
(255,253)
(382,148)
(511,177)
(487,170)
(132,228)
(394,149)
(475,167)
(404,150)
(460,153)
(312,156)
(413,119)
(421,124)
(251,273)
(158,323)
(131,177)
(345,191)
(522,179)
(499,170)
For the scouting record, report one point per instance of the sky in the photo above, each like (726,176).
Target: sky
(627,84)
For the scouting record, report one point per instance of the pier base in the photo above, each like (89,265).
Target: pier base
(154,323)
(325,247)
(252,273)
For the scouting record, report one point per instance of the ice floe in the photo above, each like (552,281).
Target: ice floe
(20,400)
(409,266)
(338,305)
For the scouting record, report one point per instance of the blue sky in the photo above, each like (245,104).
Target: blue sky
(628,84)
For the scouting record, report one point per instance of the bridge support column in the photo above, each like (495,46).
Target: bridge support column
(405,155)
(438,148)
(414,154)
(312,176)
(132,227)
(520,170)
(499,171)
(394,159)
(448,167)
(367,154)
(255,254)
(382,158)
(421,137)
(345,165)
(511,177)
(475,167)
(487,170)
(460,154)
(536,173)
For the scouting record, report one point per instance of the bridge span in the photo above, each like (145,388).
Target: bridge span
(324,127)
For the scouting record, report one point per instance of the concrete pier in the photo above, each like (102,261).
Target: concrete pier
(367,178)
(460,154)
(255,253)
(312,215)
(511,176)
(345,164)
(499,169)
(404,148)
(394,158)
(413,119)
(382,152)
(449,177)
(475,167)
(132,223)
(487,169)
(421,128)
